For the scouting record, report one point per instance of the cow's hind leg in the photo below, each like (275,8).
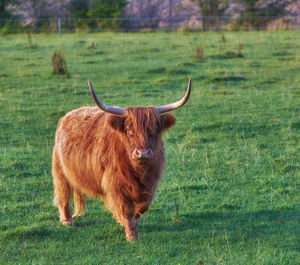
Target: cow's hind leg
(62,192)
(79,203)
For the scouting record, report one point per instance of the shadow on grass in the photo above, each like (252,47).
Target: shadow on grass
(278,228)
(227,55)
(24,232)
(236,225)
(215,79)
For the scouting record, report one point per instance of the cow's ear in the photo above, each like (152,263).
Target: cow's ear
(167,121)
(117,122)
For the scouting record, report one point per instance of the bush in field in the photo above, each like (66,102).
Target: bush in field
(59,65)
(29,38)
(239,53)
(198,52)
(92,45)
(196,48)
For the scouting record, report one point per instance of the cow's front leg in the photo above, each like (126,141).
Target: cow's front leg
(124,215)
(131,229)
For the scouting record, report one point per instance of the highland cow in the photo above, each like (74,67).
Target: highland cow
(114,153)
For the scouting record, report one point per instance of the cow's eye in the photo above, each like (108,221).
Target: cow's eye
(152,134)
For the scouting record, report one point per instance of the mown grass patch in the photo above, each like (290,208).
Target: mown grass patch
(231,191)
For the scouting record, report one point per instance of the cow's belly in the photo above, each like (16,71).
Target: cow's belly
(85,182)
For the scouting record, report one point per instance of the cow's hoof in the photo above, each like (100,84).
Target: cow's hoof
(68,222)
(132,237)
(78,214)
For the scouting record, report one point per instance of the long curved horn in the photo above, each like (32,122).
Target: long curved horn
(113,110)
(177,104)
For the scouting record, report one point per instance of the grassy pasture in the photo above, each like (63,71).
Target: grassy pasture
(231,191)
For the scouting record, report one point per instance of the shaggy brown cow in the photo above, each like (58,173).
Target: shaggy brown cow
(113,153)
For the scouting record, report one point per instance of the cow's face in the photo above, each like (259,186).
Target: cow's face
(141,129)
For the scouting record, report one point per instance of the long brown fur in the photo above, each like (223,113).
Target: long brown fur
(94,155)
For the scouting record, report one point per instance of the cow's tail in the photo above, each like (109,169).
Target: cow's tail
(79,203)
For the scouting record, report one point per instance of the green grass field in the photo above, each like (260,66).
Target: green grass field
(231,190)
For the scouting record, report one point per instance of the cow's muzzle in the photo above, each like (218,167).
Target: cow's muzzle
(142,155)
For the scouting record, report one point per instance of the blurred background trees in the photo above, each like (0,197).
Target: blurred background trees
(212,11)
(42,15)
(86,12)
(257,13)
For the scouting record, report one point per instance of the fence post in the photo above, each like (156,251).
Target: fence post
(170,12)
(203,23)
(59,25)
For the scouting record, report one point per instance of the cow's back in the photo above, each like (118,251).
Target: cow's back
(77,122)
